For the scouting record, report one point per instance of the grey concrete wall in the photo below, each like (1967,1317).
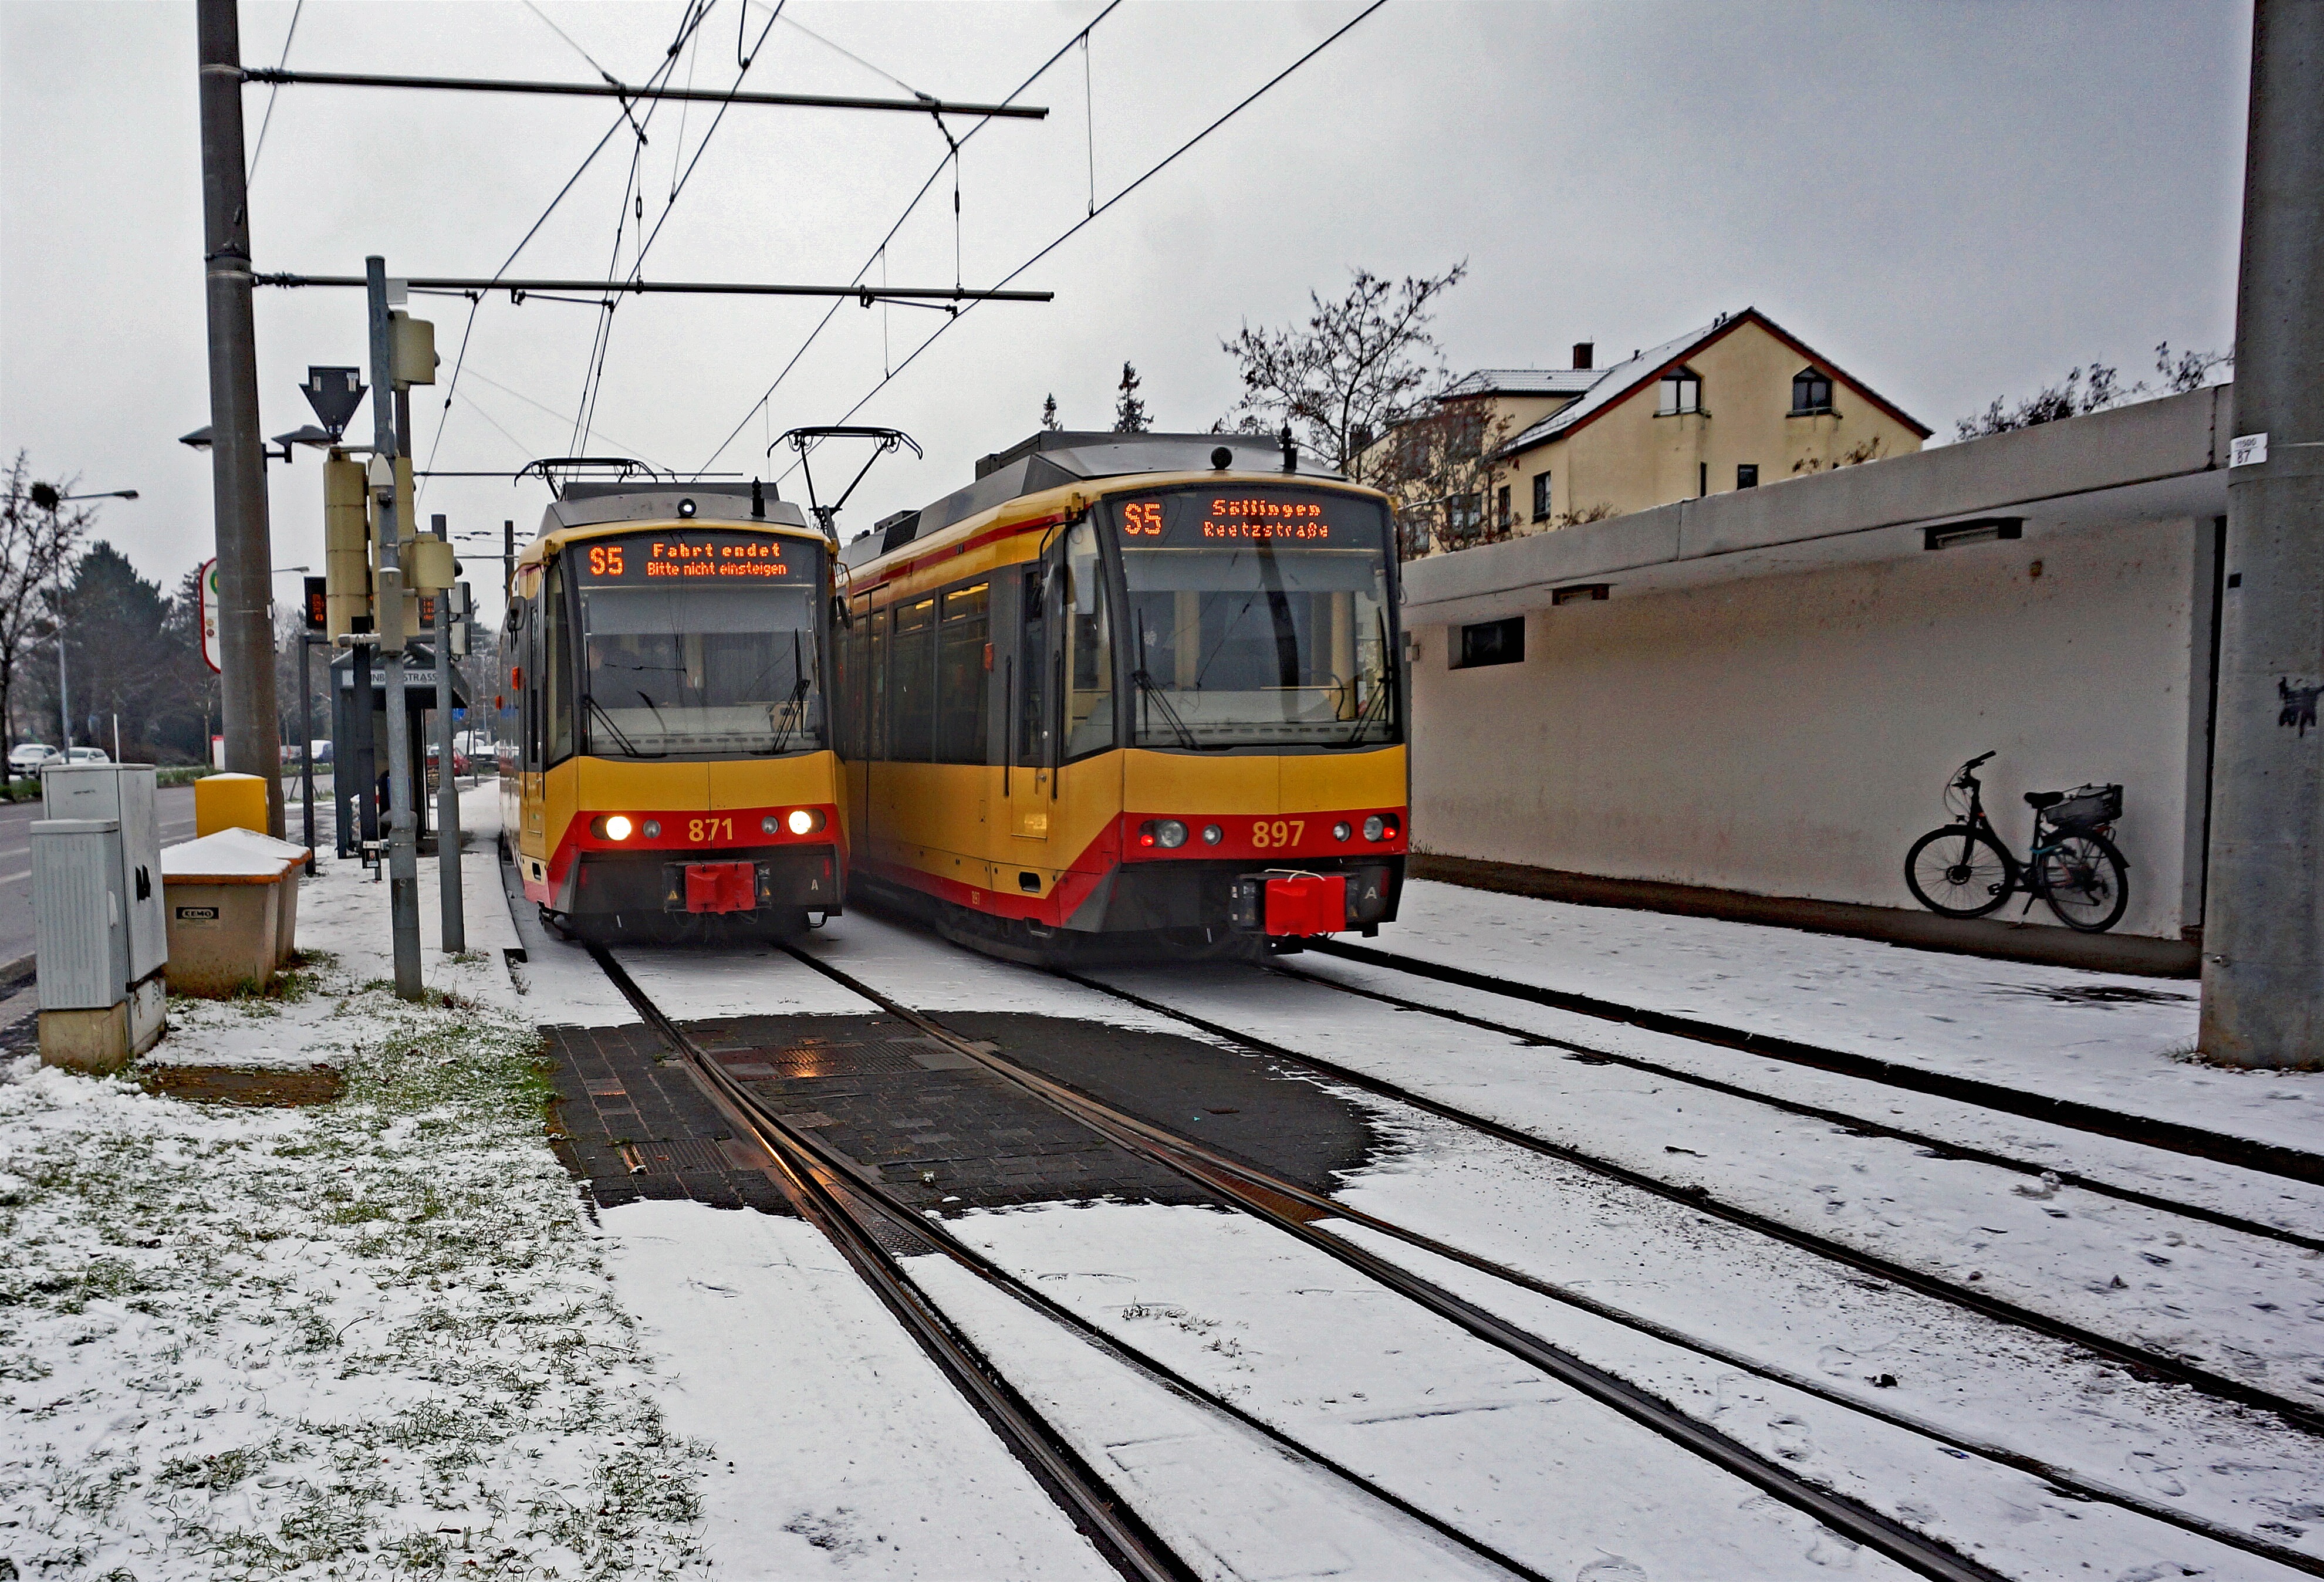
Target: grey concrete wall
(1791,734)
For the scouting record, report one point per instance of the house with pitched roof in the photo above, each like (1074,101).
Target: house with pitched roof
(1737,403)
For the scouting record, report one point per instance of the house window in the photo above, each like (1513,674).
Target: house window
(1463,514)
(1810,392)
(1501,509)
(1541,497)
(1681,392)
(1747,474)
(1491,642)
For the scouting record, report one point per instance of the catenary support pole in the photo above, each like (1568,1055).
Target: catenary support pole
(2264,914)
(447,783)
(246,559)
(403,839)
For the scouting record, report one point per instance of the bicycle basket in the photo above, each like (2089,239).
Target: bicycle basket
(2086,807)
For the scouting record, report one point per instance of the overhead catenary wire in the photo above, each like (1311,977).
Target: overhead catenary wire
(267,120)
(758,408)
(1068,235)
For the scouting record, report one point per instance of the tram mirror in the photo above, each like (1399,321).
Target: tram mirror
(841,614)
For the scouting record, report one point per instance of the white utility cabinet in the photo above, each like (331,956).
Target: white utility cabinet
(103,935)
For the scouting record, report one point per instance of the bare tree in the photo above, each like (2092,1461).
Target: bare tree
(1359,367)
(2094,389)
(40,533)
(1438,469)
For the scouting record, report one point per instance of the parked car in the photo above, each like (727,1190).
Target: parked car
(88,755)
(27,756)
(459,762)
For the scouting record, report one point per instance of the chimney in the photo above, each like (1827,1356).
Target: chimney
(1582,351)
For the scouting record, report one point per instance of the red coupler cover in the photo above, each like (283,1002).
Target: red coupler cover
(1307,903)
(722,887)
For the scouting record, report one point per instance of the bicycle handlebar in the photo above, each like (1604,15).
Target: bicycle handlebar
(1973,763)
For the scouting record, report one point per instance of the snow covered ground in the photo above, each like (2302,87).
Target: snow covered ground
(2027,1027)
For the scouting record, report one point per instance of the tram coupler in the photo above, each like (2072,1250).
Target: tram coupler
(1283,903)
(716,887)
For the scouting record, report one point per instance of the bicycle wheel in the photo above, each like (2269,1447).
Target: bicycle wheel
(2086,882)
(1959,871)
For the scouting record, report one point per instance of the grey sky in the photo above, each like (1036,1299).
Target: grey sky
(1955,202)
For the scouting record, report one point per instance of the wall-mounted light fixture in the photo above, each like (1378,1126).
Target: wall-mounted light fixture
(1575,593)
(1984,529)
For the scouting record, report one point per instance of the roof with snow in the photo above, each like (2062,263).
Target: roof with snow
(1523,381)
(1626,378)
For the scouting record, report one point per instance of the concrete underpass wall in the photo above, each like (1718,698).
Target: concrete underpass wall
(1790,735)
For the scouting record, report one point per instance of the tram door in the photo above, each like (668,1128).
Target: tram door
(868,681)
(1029,772)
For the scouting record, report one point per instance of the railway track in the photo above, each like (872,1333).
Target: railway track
(2172,1136)
(1848,1119)
(874,1231)
(1280,1202)
(2139,1360)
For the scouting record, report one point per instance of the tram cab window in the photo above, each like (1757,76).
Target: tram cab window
(963,648)
(556,671)
(1029,676)
(1258,620)
(700,669)
(1088,648)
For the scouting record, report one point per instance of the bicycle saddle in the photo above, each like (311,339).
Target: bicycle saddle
(2038,800)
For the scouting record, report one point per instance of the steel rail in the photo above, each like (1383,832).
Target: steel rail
(799,1151)
(2137,1359)
(2071,1482)
(869,294)
(623,91)
(2174,1136)
(1845,1119)
(1102,1515)
(1241,1186)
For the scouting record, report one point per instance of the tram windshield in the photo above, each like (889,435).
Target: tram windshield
(699,644)
(1261,619)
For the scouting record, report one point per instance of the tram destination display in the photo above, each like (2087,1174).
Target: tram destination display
(667,559)
(1280,519)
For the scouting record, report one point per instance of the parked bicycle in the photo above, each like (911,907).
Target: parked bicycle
(1965,870)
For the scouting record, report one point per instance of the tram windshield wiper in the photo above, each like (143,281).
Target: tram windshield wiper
(619,735)
(1161,701)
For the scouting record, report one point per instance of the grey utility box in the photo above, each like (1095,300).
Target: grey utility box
(103,935)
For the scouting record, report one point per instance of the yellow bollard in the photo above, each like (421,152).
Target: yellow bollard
(229,802)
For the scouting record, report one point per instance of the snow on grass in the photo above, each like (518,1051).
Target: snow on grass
(369,1338)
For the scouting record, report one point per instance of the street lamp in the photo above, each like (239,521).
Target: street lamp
(307,434)
(47,497)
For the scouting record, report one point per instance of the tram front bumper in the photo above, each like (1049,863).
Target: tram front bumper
(782,878)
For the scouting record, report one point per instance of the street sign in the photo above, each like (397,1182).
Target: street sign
(210,583)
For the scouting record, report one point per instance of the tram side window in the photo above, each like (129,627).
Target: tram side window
(531,699)
(875,688)
(1030,676)
(556,670)
(962,644)
(911,682)
(1089,648)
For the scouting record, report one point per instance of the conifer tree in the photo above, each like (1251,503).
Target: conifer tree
(1049,414)
(1129,414)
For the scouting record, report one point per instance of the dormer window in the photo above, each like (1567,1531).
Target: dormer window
(1810,392)
(1681,392)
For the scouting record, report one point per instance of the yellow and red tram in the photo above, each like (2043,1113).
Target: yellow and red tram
(1135,688)
(663,733)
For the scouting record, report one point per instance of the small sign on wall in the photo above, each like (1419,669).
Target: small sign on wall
(2246,450)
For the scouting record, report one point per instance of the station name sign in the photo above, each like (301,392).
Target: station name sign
(1286,520)
(668,557)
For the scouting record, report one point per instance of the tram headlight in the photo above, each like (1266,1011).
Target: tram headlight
(804,821)
(653,830)
(1212,834)
(770,825)
(1165,832)
(1343,830)
(615,826)
(1375,828)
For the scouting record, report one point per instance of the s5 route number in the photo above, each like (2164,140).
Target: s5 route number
(1143,518)
(1281,832)
(605,560)
(709,829)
